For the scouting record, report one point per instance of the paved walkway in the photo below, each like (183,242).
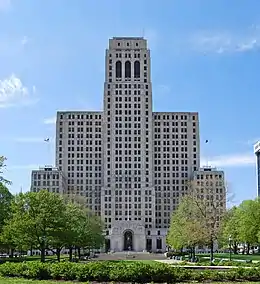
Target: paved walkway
(233,259)
(174,262)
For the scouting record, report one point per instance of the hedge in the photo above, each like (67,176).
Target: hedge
(125,271)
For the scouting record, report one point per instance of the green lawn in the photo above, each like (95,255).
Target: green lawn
(24,281)
(234,256)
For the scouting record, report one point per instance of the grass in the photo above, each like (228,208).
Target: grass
(25,281)
(234,256)
(48,258)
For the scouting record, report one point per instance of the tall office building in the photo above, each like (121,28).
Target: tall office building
(257,153)
(130,163)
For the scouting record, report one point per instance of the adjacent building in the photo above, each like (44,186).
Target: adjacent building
(48,178)
(209,185)
(257,153)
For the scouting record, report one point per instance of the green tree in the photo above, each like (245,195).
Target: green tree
(5,212)
(82,230)
(230,228)
(5,204)
(248,214)
(36,219)
(2,166)
(187,228)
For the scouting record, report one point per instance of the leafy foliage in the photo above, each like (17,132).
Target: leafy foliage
(45,220)
(2,166)
(125,271)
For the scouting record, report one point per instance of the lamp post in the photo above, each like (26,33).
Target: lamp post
(229,242)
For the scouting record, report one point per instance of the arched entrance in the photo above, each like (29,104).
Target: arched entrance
(128,240)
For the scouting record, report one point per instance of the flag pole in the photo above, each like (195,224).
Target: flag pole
(47,140)
(207,157)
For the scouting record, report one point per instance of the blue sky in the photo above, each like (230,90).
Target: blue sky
(205,58)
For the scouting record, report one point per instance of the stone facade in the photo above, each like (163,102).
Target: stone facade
(131,164)
(49,178)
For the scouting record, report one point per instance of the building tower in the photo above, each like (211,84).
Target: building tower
(128,192)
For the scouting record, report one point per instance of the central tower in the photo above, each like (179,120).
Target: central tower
(128,191)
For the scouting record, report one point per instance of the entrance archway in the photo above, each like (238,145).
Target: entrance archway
(128,240)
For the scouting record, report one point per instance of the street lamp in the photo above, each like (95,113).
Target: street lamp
(229,242)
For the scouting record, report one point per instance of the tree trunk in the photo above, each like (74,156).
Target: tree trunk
(211,251)
(193,253)
(235,247)
(42,254)
(70,254)
(79,255)
(58,250)
(247,248)
(11,252)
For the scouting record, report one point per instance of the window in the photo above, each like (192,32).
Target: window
(159,244)
(128,69)
(118,69)
(137,69)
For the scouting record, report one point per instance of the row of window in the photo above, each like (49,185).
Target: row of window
(173,117)
(46,183)
(118,69)
(80,116)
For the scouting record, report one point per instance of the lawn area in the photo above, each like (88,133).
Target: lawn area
(34,258)
(234,256)
(25,281)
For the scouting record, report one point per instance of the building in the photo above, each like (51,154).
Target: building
(257,153)
(131,164)
(209,185)
(49,178)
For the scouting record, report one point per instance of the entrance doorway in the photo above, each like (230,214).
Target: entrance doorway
(107,245)
(128,240)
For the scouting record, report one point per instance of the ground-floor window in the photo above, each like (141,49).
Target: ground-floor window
(159,243)
(148,244)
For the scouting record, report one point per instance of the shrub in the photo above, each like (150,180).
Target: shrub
(124,271)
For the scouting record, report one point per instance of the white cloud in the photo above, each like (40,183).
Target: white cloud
(50,120)
(227,41)
(14,93)
(5,5)
(33,140)
(236,160)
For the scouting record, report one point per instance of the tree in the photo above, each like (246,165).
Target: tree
(230,228)
(5,204)
(187,228)
(212,207)
(82,229)
(5,211)
(36,219)
(248,214)
(2,166)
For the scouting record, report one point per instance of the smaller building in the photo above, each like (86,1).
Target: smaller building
(209,185)
(257,153)
(48,178)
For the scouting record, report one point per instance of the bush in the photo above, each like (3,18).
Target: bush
(171,254)
(124,271)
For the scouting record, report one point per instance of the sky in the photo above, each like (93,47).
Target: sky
(205,58)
